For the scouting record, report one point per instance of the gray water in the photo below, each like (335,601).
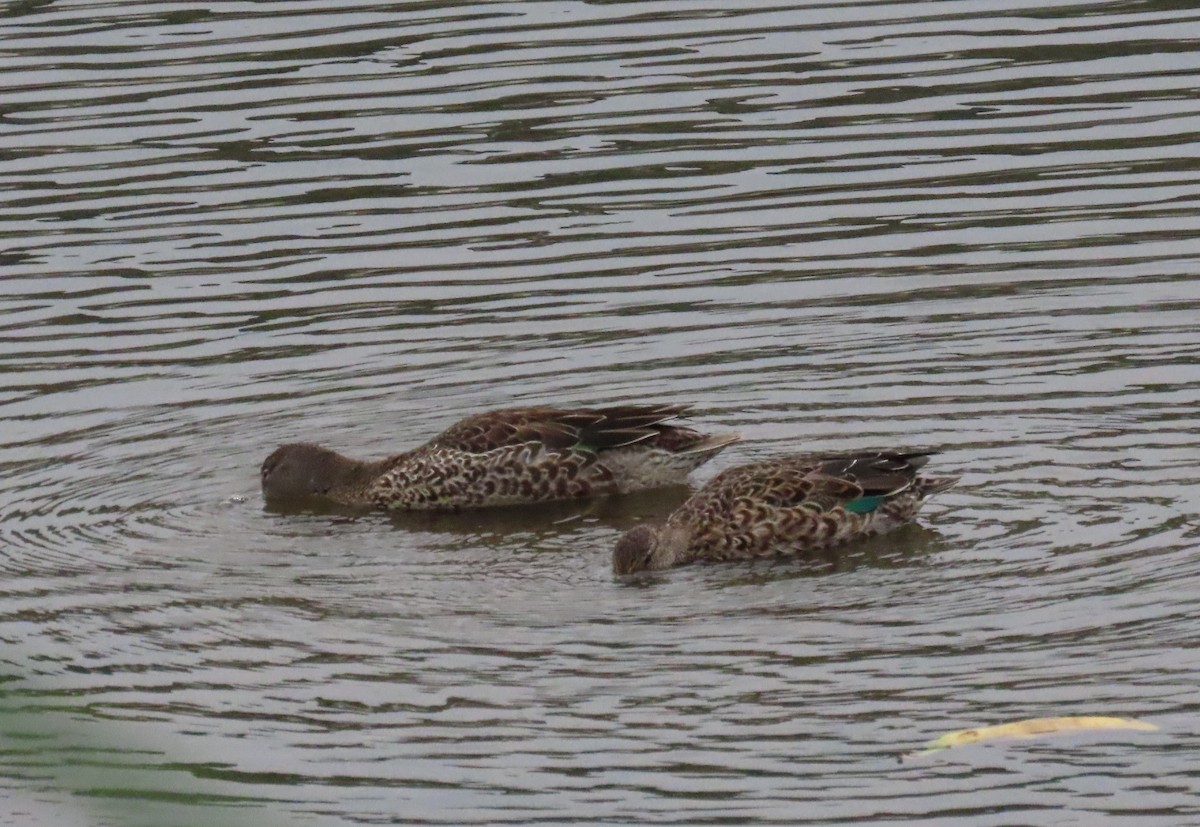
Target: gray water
(967,225)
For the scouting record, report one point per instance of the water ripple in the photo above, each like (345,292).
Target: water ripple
(962,226)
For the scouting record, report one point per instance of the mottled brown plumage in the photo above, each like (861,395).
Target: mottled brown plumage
(505,457)
(785,506)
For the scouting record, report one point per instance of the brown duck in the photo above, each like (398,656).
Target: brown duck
(785,506)
(505,457)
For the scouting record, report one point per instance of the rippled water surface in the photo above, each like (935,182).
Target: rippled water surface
(970,225)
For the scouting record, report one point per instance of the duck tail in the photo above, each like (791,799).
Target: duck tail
(928,486)
(710,443)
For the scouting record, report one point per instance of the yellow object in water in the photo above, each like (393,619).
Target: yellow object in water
(1031,728)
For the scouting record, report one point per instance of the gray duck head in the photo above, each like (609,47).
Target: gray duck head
(636,550)
(303,470)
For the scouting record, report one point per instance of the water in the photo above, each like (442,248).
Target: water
(969,225)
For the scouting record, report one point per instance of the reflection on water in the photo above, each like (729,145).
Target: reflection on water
(968,226)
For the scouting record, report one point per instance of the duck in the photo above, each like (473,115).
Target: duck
(785,505)
(513,456)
